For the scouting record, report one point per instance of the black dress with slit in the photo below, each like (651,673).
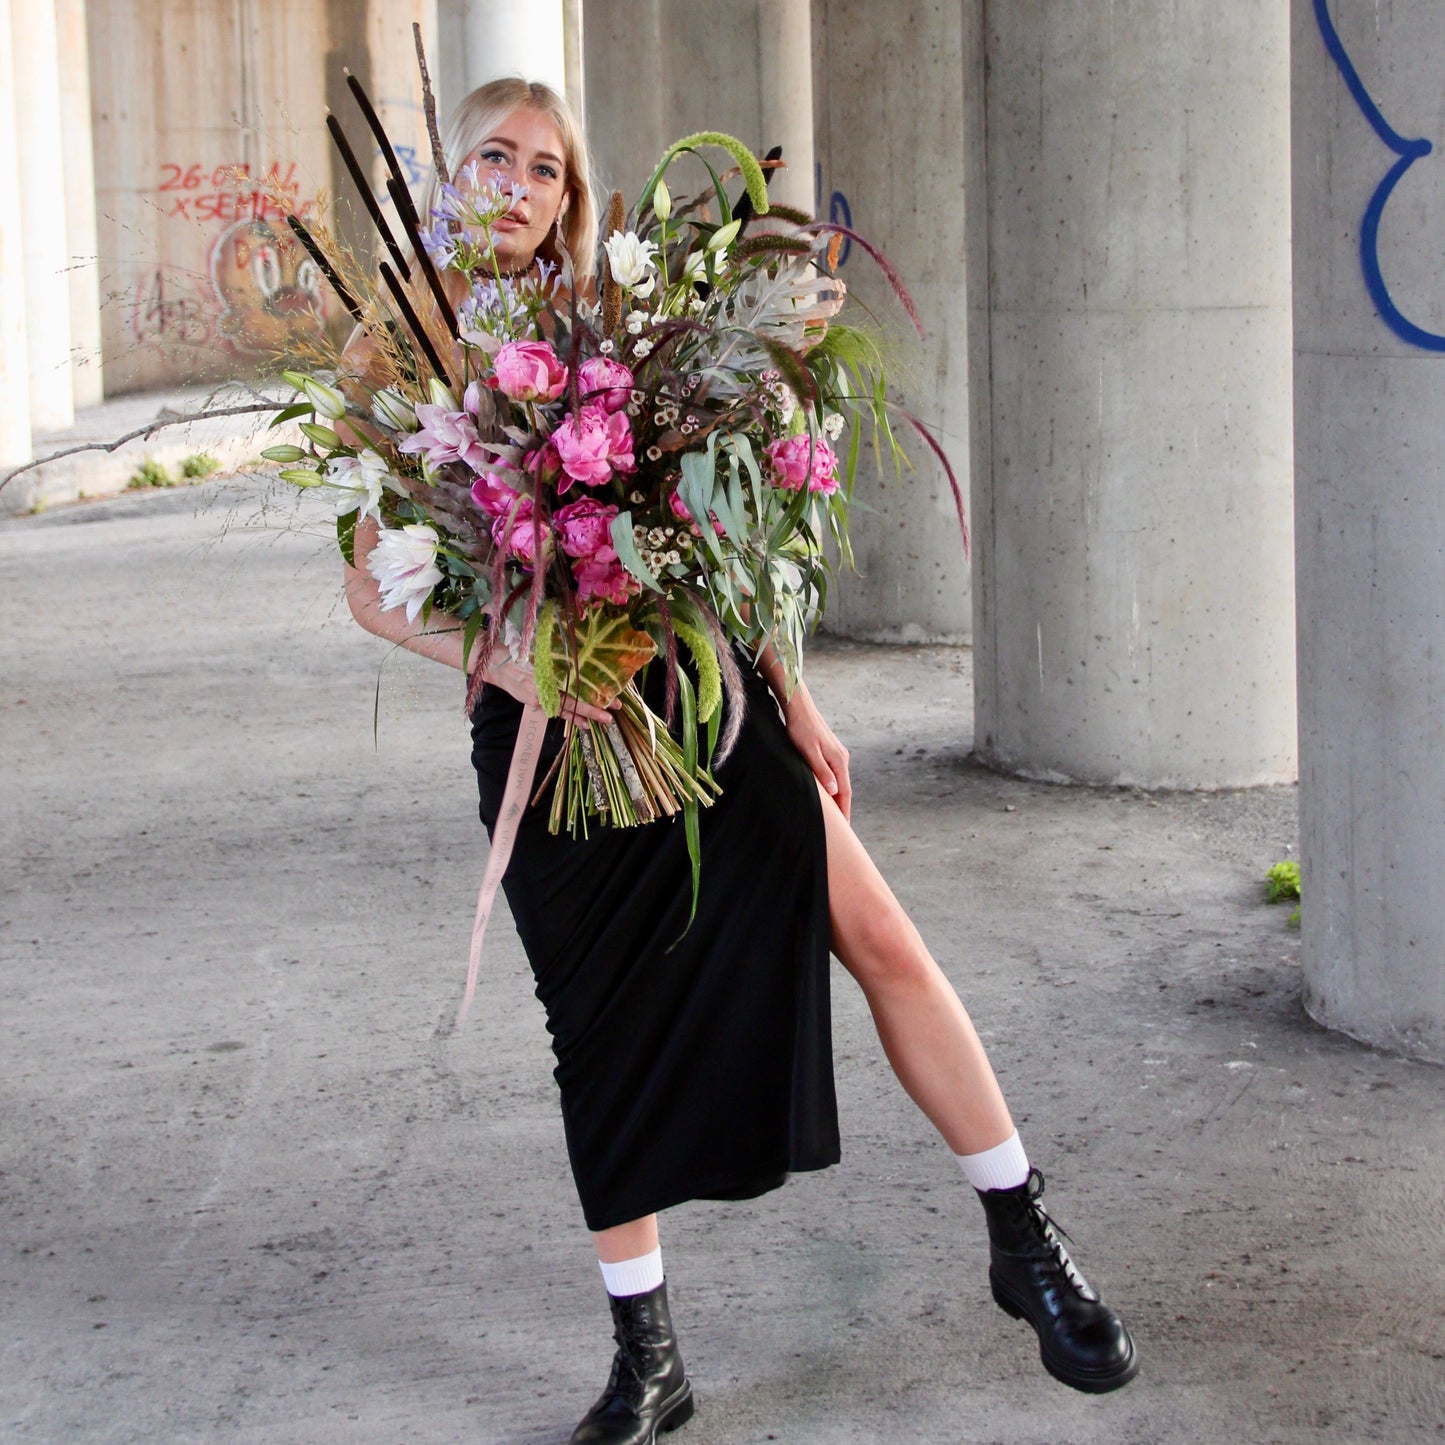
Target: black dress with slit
(691,1068)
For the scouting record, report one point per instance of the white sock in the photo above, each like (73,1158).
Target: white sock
(1005,1166)
(633,1276)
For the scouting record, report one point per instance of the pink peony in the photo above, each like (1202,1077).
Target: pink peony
(796,460)
(529,371)
(602,578)
(679,509)
(493,495)
(446,436)
(513,530)
(584,527)
(606,383)
(591,446)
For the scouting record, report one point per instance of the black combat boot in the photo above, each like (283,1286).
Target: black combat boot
(1082,1341)
(648,1392)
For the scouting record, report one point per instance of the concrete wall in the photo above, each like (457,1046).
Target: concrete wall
(890,89)
(1134,522)
(1370,498)
(200,275)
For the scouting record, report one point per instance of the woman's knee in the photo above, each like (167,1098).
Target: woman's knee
(878,944)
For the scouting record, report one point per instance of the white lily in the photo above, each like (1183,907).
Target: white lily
(630,260)
(404,563)
(354,484)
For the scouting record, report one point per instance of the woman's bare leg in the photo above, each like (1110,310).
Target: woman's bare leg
(627,1241)
(924,1028)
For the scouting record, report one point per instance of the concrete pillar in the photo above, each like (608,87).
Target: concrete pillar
(14,354)
(785,95)
(1370,517)
(659,69)
(1134,528)
(516,37)
(81,245)
(890,86)
(42,185)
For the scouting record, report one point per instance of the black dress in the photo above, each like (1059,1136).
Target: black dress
(702,1070)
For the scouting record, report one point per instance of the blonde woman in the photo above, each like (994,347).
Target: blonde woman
(704,1070)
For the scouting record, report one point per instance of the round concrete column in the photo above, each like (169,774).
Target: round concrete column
(1370,517)
(14,354)
(81,243)
(891,88)
(42,183)
(516,37)
(1135,593)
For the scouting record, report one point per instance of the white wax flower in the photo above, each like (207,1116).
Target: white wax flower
(354,484)
(833,425)
(630,259)
(404,563)
(636,320)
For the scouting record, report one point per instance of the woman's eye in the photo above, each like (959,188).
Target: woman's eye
(496,157)
(548,171)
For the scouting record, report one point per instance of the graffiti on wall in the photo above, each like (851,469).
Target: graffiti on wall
(1408,151)
(259,290)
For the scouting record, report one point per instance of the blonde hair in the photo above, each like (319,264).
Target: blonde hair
(478,117)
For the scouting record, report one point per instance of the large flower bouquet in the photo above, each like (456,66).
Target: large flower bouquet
(607,482)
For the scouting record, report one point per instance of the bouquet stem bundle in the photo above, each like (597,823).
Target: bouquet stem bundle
(628,771)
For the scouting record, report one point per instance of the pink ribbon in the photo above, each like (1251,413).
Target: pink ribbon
(523,769)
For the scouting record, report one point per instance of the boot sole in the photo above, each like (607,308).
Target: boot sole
(1077,1379)
(677,1411)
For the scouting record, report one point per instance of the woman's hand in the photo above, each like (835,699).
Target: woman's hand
(518,679)
(812,737)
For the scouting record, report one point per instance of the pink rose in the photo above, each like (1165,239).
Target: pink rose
(584,527)
(513,530)
(605,382)
(798,460)
(591,446)
(529,371)
(602,578)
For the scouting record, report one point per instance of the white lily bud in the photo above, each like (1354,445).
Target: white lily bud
(442,397)
(326,399)
(393,410)
(723,236)
(662,201)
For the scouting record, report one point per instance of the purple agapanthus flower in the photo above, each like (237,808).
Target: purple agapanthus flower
(440,243)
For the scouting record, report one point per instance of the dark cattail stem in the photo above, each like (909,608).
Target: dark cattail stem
(388,150)
(611,290)
(404,305)
(424,260)
(429,105)
(363,184)
(743,212)
(327,269)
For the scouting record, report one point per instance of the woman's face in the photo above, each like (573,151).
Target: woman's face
(526,149)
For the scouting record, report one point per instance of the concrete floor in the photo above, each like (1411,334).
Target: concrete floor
(252,1190)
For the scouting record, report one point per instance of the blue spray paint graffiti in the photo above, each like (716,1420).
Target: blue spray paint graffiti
(1409,152)
(839,211)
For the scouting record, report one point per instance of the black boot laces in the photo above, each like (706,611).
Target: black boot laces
(1049,1231)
